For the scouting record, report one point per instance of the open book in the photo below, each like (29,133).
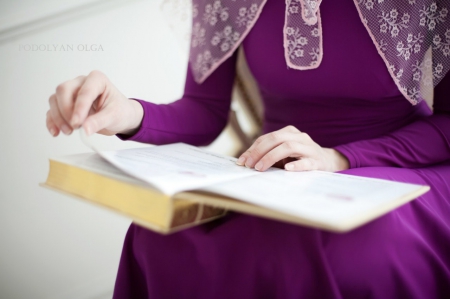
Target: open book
(171,187)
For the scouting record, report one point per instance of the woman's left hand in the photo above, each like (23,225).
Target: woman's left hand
(289,142)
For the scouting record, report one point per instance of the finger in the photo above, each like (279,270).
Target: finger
(287,149)
(51,126)
(256,150)
(93,87)
(98,121)
(304,164)
(65,96)
(291,129)
(281,163)
(268,142)
(56,116)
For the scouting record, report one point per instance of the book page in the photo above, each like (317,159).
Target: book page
(95,163)
(320,196)
(175,167)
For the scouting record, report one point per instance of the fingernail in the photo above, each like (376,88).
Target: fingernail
(53,131)
(259,165)
(75,120)
(249,162)
(88,130)
(241,161)
(289,166)
(66,130)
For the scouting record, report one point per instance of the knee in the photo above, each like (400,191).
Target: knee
(380,258)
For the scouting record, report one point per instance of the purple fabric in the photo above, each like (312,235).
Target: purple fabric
(351,103)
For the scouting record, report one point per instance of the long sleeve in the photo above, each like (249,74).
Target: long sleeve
(197,118)
(421,143)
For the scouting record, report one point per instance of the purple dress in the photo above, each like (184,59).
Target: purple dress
(350,103)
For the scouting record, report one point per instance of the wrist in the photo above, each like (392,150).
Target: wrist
(134,117)
(338,161)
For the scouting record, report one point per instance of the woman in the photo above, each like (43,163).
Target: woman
(338,107)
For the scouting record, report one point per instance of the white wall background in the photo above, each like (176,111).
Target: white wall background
(53,246)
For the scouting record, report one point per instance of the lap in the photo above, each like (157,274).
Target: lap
(402,254)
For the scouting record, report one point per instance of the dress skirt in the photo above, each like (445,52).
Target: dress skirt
(403,254)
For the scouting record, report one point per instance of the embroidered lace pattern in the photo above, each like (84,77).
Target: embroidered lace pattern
(412,37)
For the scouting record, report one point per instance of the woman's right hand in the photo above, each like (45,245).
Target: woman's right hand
(94,103)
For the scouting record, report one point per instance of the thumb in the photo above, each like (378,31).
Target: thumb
(97,121)
(303,164)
